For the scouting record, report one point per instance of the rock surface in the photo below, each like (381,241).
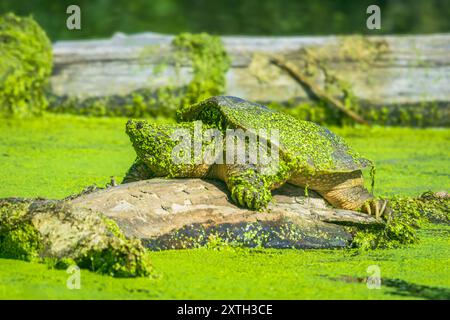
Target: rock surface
(185,213)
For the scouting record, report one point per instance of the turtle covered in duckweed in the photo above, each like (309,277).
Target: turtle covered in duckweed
(302,153)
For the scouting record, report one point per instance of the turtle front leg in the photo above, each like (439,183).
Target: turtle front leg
(138,171)
(247,186)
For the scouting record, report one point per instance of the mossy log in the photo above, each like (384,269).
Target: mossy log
(55,232)
(186,213)
(381,70)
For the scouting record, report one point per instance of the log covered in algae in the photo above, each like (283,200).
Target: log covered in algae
(54,232)
(402,73)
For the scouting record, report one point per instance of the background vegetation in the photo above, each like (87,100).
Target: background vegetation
(253,17)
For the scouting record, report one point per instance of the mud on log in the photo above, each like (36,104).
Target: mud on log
(400,70)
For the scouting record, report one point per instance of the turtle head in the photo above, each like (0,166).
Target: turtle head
(153,144)
(137,130)
(147,138)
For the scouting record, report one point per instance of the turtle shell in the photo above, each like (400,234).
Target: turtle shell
(303,143)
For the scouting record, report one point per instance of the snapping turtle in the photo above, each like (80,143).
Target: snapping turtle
(310,156)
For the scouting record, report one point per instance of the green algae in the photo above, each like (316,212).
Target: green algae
(46,147)
(38,160)
(408,160)
(239,273)
(435,207)
(122,258)
(125,258)
(434,114)
(18,239)
(25,66)
(55,156)
(160,102)
(285,233)
(408,215)
(38,155)
(209,61)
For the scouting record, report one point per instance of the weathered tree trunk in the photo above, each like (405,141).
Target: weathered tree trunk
(400,70)
(185,213)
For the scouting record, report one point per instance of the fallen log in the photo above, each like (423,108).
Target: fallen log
(317,92)
(54,232)
(408,70)
(187,213)
(106,229)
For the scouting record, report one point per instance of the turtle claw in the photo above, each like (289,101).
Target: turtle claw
(379,208)
(249,197)
(384,208)
(367,208)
